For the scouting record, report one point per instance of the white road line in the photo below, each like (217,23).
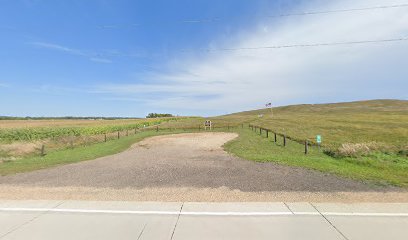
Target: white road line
(53,210)
(61,210)
(366,214)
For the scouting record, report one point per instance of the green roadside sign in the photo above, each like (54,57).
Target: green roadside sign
(319,139)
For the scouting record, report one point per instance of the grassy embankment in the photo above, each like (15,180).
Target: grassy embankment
(379,168)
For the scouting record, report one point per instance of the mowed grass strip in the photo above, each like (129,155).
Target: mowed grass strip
(74,155)
(378,168)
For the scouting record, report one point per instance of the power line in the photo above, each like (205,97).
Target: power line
(211,20)
(341,10)
(311,45)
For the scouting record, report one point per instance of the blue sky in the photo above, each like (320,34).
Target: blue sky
(129,58)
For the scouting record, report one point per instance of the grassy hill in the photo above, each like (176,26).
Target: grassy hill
(350,128)
(383,122)
(366,140)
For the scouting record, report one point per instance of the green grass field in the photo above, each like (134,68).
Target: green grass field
(378,168)
(382,121)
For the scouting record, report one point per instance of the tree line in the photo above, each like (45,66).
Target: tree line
(158,115)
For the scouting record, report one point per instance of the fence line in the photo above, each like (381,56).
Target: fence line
(306,142)
(99,138)
(105,137)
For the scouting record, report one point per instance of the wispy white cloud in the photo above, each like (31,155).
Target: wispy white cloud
(72,51)
(237,80)
(4,85)
(100,60)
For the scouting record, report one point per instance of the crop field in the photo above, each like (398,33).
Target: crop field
(10,124)
(29,130)
(20,138)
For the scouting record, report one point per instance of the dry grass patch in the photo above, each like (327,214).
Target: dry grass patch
(361,149)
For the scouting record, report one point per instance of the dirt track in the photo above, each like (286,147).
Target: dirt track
(187,166)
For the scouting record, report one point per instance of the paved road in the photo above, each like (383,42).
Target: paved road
(51,220)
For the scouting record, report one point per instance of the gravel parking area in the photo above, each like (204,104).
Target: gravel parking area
(192,166)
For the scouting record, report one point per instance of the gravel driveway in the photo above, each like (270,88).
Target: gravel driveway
(185,160)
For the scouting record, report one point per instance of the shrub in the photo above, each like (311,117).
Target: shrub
(360,149)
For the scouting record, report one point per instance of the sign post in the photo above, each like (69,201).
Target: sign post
(318,140)
(208,124)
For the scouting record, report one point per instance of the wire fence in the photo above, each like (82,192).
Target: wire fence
(71,142)
(80,141)
(270,133)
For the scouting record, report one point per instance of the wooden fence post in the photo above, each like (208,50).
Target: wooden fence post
(199,127)
(118,134)
(306,147)
(267,133)
(228,127)
(284,140)
(127,133)
(157,128)
(275,138)
(42,150)
(260,131)
(135,130)
(105,137)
